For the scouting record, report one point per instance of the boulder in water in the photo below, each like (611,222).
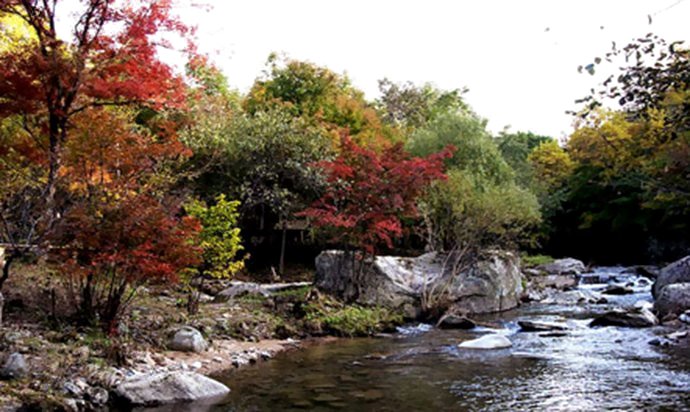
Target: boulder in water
(673,300)
(455,322)
(616,289)
(169,387)
(494,341)
(635,318)
(535,326)
(676,272)
(492,284)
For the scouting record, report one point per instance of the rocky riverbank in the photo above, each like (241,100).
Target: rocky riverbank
(164,355)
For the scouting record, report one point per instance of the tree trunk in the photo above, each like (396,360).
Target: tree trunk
(281,265)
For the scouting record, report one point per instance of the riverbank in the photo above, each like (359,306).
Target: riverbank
(68,367)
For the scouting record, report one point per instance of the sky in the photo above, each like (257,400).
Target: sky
(518,59)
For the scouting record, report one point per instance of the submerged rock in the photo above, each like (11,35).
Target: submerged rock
(494,341)
(615,289)
(188,339)
(673,300)
(535,326)
(565,266)
(169,387)
(491,285)
(635,318)
(676,272)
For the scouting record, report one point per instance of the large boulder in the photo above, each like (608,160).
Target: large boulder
(188,339)
(168,388)
(673,301)
(565,266)
(676,272)
(492,284)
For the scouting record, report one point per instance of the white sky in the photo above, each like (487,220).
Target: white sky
(518,58)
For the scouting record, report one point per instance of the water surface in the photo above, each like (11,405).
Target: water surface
(422,369)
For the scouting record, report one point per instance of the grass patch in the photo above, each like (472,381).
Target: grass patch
(530,261)
(352,320)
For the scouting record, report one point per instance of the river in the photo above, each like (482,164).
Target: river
(422,369)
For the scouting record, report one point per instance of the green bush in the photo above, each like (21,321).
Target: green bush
(352,320)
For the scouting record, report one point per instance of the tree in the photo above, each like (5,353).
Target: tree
(369,193)
(86,160)
(321,96)
(475,152)
(516,148)
(410,107)
(469,213)
(219,241)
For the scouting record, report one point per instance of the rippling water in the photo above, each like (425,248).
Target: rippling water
(424,370)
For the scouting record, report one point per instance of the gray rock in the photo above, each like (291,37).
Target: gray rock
(188,339)
(554,281)
(565,266)
(673,300)
(15,367)
(168,388)
(97,396)
(535,326)
(634,318)
(455,322)
(676,272)
(648,271)
(493,341)
(491,285)
(615,289)
(240,289)
(685,317)
(575,297)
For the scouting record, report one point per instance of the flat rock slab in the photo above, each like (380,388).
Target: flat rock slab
(535,326)
(487,342)
(169,388)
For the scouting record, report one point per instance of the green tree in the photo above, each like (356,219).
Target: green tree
(476,152)
(515,148)
(220,242)
(409,107)
(320,96)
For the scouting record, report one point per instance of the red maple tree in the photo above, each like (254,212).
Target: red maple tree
(368,194)
(98,201)
(110,59)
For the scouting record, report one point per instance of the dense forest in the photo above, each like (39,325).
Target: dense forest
(123,171)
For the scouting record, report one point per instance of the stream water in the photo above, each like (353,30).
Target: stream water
(422,369)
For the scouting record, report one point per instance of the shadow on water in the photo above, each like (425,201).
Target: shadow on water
(588,369)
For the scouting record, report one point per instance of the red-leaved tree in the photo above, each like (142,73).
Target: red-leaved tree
(369,193)
(87,170)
